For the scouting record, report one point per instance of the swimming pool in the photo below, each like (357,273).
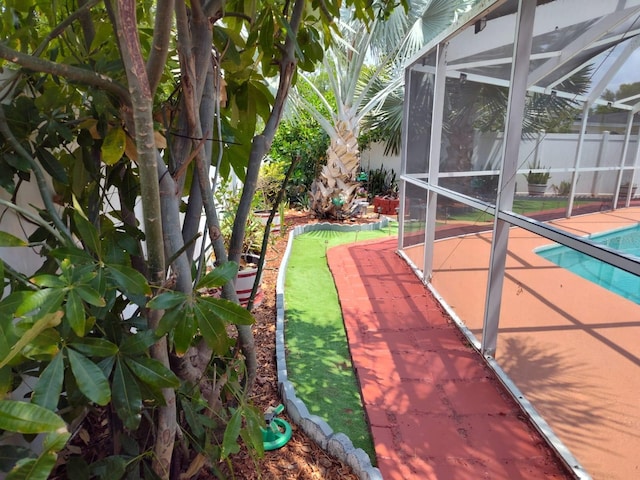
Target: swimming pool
(618,281)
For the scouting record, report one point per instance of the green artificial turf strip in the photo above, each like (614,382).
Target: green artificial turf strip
(318,360)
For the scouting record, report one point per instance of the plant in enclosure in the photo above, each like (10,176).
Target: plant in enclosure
(112,114)
(537,177)
(382,182)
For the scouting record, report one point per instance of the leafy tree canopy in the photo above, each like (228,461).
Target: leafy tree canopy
(112,114)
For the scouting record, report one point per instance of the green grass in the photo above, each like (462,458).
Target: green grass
(318,359)
(521,206)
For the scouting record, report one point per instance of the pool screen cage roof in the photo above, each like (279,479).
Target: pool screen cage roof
(510,68)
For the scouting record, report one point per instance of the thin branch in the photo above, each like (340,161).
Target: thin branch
(162,35)
(325,11)
(267,229)
(45,191)
(32,217)
(80,75)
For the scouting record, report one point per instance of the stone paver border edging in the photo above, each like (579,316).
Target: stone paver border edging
(338,444)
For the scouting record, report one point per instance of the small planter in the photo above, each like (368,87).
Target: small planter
(386,206)
(537,189)
(263,216)
(245,280)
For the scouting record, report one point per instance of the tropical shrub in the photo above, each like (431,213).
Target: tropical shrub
(112,114)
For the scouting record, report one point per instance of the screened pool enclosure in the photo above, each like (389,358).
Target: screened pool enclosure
(518,136)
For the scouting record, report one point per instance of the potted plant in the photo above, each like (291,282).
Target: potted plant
(228,201)
(537,180)
(384,190)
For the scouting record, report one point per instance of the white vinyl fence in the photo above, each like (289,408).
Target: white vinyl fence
(599,163)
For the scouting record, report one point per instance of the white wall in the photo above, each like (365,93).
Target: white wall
(374,158)
(22,259)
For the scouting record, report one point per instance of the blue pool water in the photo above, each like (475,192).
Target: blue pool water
(618,281)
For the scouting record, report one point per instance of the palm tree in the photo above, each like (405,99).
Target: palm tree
(386,44)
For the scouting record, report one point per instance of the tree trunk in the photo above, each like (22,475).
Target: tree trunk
(126,28)
(332,193)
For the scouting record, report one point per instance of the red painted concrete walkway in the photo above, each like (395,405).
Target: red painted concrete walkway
(435,410)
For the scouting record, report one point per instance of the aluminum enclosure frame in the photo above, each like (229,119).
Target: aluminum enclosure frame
(524,78)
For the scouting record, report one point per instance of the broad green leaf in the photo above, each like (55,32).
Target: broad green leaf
(106,365)
(46,280)
(219,275)
(192,417)
(167,300)
(95,347)
(8,240)
(40,468)
(230,439)
(169,320)
(17,161)
(11,303)
(138,343)
(46,300)
(90,379)
(44,347)
(130,281)
(23,417)
(152,372)
(74,310)
(50,320)
(90,295)
(82,275)
(126,397)
(87,232)
(228,311)
(52,165)
(113,146)
(254,422)
(212,329)
(46,393)
(184,332)
(33,469)
(55,441)
(75,255)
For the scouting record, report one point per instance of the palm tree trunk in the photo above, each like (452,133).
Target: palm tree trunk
(332,193)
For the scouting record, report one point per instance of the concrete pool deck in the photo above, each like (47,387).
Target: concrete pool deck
(572,347)
(436,411)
